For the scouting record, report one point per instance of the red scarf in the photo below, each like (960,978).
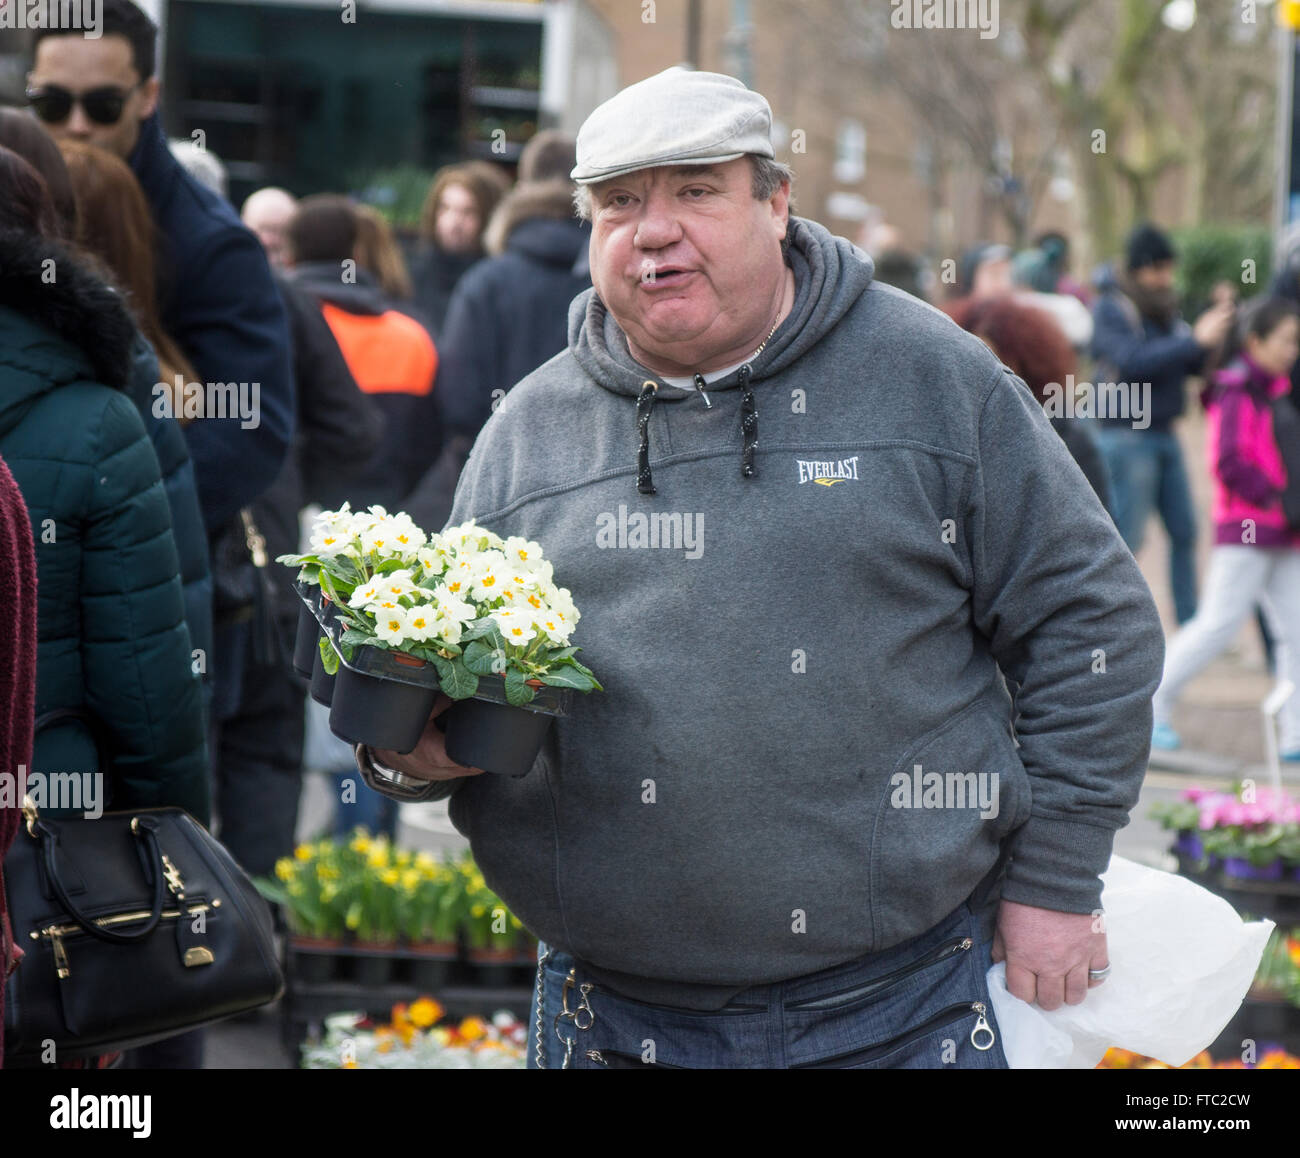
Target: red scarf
(17,680)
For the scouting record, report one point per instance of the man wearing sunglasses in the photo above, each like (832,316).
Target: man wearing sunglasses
(216,296)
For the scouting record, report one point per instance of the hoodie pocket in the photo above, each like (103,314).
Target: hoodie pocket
(941,817)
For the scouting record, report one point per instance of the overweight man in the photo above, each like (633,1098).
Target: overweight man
(877,666)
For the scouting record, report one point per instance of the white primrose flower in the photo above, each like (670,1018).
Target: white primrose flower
(331,532)
(515,626)
(562,601)
(365,596)
(448,628)
(391,624)
(422,622)
(380,537)
(431,560)
(522,552)
(454,586)
(489,576)
(450,606)
(552,626)
(406,535)
(395,584)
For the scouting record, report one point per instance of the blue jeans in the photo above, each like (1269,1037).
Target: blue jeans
(1146,472)
(910,1007)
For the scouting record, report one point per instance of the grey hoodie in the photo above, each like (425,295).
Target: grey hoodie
(789,657)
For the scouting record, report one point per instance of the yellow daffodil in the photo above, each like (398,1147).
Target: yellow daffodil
(304,852)
(284,869)
(390,876)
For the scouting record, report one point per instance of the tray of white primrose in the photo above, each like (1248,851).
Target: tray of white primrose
(391,616)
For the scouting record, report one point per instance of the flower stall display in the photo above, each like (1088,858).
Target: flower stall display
(377,906)
(495,939)
(1279,970)
(414,1039)
(1256,838)
(404,614)
(1273,1059)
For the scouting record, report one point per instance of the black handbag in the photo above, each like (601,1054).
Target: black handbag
(242,590)
(135,927)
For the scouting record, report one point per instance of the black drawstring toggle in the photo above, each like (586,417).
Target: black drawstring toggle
(644,404)
(748,425)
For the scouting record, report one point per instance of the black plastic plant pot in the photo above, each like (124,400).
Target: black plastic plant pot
(488,732)
(305,643)
(378,712)
(322,683)
(372,969)
(429,973)
(315,962)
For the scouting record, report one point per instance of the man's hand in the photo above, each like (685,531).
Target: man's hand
(428,760)
(1048,954)
(1212,326)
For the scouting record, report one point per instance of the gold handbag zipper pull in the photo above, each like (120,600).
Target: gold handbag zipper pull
(60,955)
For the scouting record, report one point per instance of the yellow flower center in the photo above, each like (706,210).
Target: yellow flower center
(393,625)
(534,601)
(516,631)
(489,580)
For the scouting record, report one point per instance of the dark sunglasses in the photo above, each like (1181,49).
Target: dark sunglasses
(103,105)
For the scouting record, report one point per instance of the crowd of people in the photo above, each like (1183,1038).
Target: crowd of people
(160,649)
(1128,330)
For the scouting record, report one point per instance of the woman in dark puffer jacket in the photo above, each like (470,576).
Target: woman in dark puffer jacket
(113,642)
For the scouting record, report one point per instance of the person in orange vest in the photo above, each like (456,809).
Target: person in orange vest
(391,355)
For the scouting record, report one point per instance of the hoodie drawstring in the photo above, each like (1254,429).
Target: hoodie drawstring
(748,430)
(748,425)
(644,404)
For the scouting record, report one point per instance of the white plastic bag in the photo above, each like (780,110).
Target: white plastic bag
(1181,963)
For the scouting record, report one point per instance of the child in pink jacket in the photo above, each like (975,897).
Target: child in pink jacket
(1256,555)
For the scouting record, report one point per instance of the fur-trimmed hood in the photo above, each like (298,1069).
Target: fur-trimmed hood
(538,201)
(69,324)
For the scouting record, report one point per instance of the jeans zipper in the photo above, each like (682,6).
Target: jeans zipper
(940,1019)
(939,953)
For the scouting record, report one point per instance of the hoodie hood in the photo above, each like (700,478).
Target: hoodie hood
(323,280)
(536,219)
(74,328)
(830,274)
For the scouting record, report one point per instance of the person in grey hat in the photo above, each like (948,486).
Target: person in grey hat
(877,666)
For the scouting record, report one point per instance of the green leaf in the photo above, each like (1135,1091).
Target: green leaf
(568,677)
(329,658)
(482,658)
(560,653)
(357,638)
(457,682)
(482,628)
(388,566)
(518,692)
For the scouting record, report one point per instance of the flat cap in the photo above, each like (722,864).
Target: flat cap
(677,117)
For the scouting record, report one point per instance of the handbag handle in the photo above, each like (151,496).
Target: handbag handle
(145,830)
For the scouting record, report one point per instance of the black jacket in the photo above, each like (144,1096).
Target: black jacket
(412,434)
(217,300)
(509,314)
(113,640)
(337,427)
(434,276)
